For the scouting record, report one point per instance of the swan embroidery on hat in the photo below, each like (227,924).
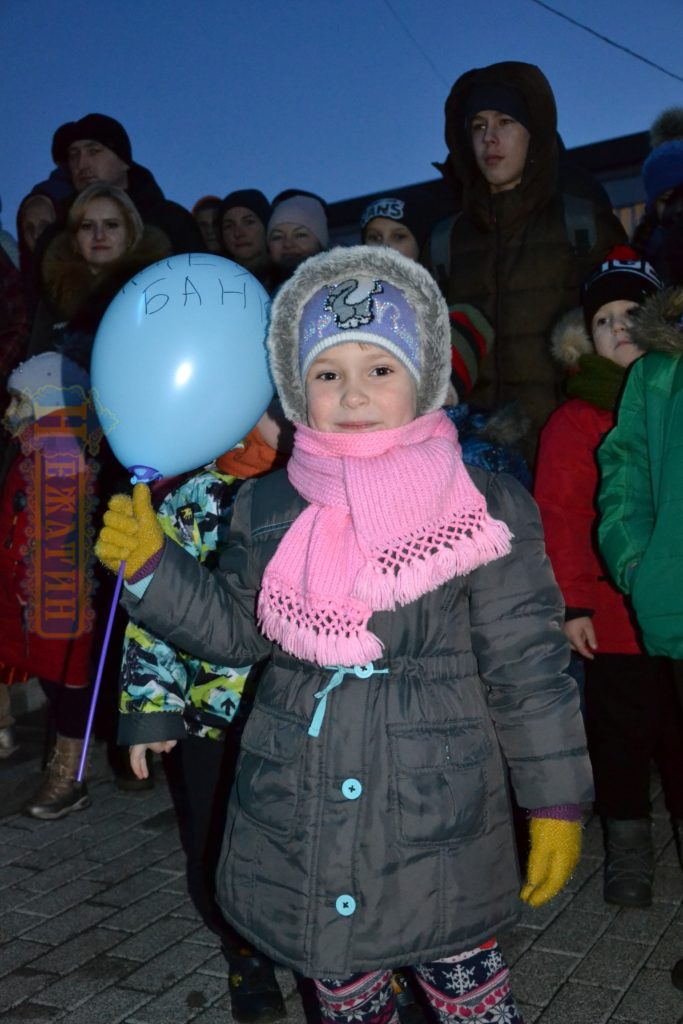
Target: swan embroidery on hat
(351,302)
(362,309)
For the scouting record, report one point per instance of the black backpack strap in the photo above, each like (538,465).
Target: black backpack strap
(440,251)
(579,222)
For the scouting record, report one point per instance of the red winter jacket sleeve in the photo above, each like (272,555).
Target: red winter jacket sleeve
(565,488)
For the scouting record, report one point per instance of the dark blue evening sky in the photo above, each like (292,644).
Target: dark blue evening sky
(330,96)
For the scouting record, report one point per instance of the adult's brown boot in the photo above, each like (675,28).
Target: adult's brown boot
(60,793)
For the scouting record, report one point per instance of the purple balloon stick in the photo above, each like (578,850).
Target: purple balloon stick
(100,670)
(139,474)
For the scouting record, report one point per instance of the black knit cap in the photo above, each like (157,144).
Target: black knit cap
(400,210)
(250,199)
(504,98)
(620,277)
(103,129)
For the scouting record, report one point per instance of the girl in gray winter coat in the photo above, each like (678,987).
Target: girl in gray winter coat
(410,629)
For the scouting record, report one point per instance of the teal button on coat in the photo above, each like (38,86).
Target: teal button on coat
(422,864)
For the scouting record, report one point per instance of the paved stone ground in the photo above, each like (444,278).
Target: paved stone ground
(96,926)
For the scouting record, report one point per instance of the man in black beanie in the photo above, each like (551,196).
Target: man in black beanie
(97,148)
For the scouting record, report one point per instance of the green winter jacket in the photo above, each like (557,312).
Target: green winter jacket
(641,492)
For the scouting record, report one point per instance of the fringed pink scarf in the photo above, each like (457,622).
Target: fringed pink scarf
(393,514)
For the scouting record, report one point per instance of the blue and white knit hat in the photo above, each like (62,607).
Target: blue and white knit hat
(359,309)
(663,169)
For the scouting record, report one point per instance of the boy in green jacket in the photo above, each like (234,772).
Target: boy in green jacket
(641,493)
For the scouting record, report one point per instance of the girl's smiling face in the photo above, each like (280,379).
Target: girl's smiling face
(356,387)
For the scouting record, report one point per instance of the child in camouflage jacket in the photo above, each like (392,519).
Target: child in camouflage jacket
(168,696)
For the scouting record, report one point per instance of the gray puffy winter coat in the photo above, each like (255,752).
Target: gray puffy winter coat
(386,839)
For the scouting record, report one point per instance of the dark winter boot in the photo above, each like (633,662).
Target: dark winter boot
(677,975)
(408,1009)
(8,743)
(629,862)
(59,793)
(255,995)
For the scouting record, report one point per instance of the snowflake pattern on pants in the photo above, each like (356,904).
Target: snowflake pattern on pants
(467,988)
(460,979)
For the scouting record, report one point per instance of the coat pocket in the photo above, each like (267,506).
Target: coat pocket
(268,776)
(440,773)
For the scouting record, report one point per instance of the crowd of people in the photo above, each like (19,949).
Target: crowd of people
(385,679)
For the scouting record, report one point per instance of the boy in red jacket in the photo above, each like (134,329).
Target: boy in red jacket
(632,715)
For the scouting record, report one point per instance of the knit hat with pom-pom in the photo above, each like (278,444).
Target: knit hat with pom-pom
(663,169)
(621,276)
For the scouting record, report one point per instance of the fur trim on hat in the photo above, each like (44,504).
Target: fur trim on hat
(667,127)
(569,339)
(332,267)
(657,327)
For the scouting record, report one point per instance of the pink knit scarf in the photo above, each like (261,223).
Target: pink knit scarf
(392,514)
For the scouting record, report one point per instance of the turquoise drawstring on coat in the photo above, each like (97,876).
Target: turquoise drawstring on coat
(360,671)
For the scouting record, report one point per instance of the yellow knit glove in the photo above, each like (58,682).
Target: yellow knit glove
(131,532)
(555,852)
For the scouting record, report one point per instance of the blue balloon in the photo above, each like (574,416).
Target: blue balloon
(179,368)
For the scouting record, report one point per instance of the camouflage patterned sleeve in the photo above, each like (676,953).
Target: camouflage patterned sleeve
(166,693)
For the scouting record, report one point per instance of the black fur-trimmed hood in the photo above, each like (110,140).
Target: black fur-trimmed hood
(539,178)
(658,326)
(333,267)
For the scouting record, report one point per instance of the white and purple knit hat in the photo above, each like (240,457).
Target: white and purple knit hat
(50,380)
(359,309)
(370,294)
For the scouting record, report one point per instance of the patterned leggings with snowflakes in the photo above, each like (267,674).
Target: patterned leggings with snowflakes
(472,987)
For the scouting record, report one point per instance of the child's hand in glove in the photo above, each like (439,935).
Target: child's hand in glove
(555,851)
(131,532)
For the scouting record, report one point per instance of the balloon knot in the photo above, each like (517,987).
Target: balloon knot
(143,474)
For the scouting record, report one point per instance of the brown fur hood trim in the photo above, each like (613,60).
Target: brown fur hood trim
(658,326)
(69,284)
(569,339)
